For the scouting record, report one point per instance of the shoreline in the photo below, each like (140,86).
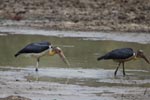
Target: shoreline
(142,38)
(23,82)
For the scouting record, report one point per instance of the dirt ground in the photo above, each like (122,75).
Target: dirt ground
(81,15)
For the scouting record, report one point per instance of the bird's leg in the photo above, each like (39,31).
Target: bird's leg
(123,69)
(37,64)
(117,68)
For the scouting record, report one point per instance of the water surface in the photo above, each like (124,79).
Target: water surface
(86,78)
(80,52)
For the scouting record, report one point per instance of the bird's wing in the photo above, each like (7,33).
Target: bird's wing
(123,53)
(34,48)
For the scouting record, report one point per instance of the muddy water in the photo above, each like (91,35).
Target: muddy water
(86,77)
(80,52)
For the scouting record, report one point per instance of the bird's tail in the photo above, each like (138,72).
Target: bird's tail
(100,58)
(17,54)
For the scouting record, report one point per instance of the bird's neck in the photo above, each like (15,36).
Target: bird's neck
(51,53)
(135,57)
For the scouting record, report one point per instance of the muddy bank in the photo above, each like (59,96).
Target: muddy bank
(83,15)
(101,85)
(143,38)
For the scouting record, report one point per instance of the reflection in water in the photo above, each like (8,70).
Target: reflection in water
(80,52)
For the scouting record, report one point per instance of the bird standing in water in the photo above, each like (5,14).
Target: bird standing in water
(122,55)
(39,49)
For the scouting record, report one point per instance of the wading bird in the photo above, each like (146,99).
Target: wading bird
(40,49)
(122,55)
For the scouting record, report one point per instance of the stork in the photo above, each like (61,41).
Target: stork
(123,55)
(39,49)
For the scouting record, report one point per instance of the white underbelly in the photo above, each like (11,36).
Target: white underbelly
(36,55)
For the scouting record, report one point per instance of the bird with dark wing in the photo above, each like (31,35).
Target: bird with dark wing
(122,55)
(40,49)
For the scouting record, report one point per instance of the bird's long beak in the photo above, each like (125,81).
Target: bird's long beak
(57,50)
(61,54)
(145,58)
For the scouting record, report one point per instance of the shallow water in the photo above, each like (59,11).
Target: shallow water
(81,53)
(86,77)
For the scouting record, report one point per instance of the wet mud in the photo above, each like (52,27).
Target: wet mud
(74,84)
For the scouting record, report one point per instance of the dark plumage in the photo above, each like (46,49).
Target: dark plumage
(122,55)
(34,48)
